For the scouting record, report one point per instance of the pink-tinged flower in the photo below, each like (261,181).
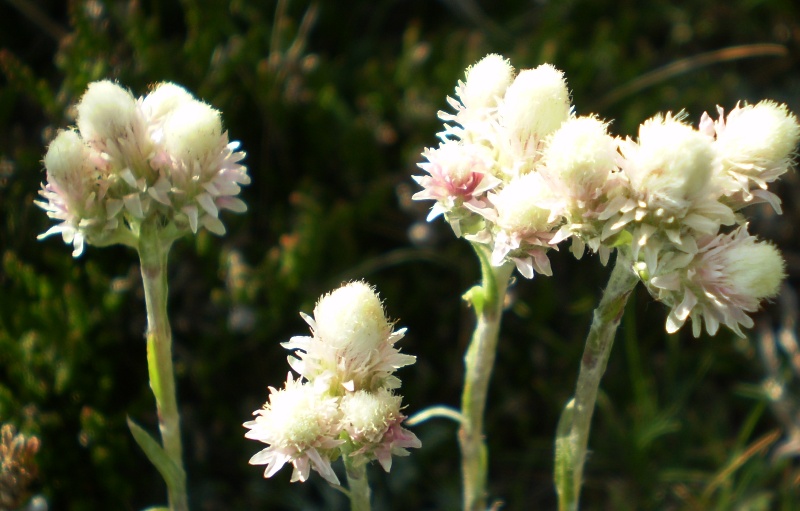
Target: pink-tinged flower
(74,193)
(522,225)
(477,98)
(580,168)
(726,279)
(458,173)
(756,144)
(373,420)
(164,155)
(302,427)
(352,343)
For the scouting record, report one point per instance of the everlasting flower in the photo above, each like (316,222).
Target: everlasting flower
(580,163)
(459,173)
(727,278)
(756,143)
(372,421)
(301,427)
(163,157)
(352,346)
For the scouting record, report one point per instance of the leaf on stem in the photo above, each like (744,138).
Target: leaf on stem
(171,473)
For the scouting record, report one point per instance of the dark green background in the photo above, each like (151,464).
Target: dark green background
(333,114)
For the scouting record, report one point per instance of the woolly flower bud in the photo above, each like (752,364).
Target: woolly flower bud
(297,422)
(536,103)
(517,208)
(755,269)
(352,318)
(192,131)
(672,160)
(106,111)
(764,135)
(367,415)
(726,279)
(164,99)
(581,153)
(66,164)
(486,81)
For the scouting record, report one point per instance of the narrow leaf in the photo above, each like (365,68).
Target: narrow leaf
(172,474)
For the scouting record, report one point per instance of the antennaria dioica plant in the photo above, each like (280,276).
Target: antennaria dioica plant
(517,172)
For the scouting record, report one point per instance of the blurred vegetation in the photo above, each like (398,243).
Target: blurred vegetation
(334,101)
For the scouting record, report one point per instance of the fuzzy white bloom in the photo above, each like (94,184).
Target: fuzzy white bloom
(164,155)
(581,153)
(71,191)
(486,82)
(580,163)
(372,421)
(726,279)
(301,427)
(756,144)
(673,160)
(352,346)
(518,211)
(106,111)
(536,103)
(192,130)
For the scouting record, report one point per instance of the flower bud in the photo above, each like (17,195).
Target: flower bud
(581,153)
(106,111)
(536,103)
(67,168)
(367,415)
(165,98)
(673,159)
(352,318)
(192,131)
(764,135)
(517,209)
(486,81)
(755,269)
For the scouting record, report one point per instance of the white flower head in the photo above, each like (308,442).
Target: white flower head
(458,173)
(372,421)
(486,82)
(536,103)
(673,161)
(522,224)
(192,130)
(106,111)
(162,156)
(352,346)
(302,427)
(756,144)
(726,279)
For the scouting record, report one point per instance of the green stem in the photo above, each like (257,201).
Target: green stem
(357,483)
(573,428)
(153,254)
(479,359)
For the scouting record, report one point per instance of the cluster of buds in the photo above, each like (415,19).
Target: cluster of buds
(163,158)
(518,171)
(343,403)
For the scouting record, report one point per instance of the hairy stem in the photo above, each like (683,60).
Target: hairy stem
(358,484)
(153,254)
(572,436)
(479,359)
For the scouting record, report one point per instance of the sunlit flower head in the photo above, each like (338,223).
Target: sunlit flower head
(756,144)
(352,346)
(728,277)
(164,156)
(302,427)
(372,421)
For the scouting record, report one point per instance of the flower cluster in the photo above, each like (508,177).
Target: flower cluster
(343,404)
(518,171)
(162,157)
